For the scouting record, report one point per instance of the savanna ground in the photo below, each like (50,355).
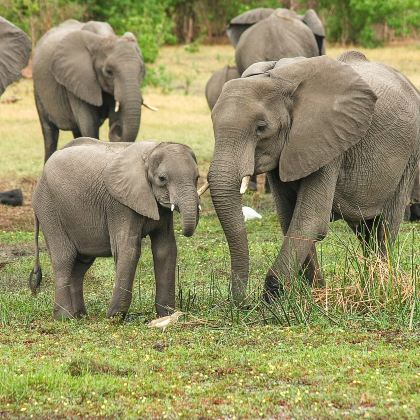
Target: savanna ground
(348,350)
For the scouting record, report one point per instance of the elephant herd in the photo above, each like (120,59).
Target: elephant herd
(334,136)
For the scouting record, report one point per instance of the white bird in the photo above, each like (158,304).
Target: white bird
(250,214)
(165,321)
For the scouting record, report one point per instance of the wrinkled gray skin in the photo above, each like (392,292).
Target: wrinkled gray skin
(217,80)
(333,135)
(80,70)
(268,34)
(15,49)
(98,199)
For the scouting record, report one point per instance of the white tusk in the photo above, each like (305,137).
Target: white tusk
(172,207)
(203,188)
(152,108)
(199,207)
(117,106)
(244,184)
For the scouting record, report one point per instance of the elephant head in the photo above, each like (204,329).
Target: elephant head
(15,49)
(293,116)
(145,175)
(98,68)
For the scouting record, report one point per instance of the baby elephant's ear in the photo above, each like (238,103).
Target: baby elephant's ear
(126,179)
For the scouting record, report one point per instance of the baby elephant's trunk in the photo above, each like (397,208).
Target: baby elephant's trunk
(36,274)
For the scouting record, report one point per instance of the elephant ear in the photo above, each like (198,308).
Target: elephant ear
(72,66)
(313,22)
(15,49)
(332,111)
(126,179)
(259,69)
(239,24)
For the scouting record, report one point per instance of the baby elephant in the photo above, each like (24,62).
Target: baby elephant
(97,199)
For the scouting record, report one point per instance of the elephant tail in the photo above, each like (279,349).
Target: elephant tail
(36,274)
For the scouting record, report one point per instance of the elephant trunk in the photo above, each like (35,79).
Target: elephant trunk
(224,186)
(188,208)
(130,108)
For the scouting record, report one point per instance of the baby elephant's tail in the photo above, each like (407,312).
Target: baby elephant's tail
(36,274)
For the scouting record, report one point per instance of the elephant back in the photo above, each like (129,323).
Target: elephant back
(279,36)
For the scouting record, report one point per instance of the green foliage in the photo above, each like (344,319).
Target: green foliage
(368,22)
(35,17)
(159,77)
(147,19)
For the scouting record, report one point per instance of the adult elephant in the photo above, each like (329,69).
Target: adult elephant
(271,34)
(15,50)
(83,73)
(333,135)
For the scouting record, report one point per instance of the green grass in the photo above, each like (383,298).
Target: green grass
(348,350)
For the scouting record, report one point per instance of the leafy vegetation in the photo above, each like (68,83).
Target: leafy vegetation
(366,22)
(349,350)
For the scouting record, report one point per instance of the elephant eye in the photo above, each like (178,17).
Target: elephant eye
(108,72)
(261,127)
(163,178)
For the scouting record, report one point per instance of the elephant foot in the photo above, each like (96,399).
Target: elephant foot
(116,314)
(273,289)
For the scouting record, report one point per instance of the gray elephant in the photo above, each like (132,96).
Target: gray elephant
(271,34)
(99,199)
(333,135)
(15,50)
(83,73)
(217,80)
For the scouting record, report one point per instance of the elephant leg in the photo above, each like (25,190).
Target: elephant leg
(76,133)
(393,212)
(80,268)
(164,259)
(49,131)
(369,233)
(308,224)
(311,269)
(126,255)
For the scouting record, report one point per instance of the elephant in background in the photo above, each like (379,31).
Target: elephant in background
(83,73)
(215,84)
(15,50)
(337,136)
(98,199)
(271,34)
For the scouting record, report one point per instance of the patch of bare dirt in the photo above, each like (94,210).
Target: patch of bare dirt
(21,217)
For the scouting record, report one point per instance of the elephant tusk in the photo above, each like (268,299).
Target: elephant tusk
(203,188)
(199,207)
(117,106)
(244,184)
(172,207)
(152,108)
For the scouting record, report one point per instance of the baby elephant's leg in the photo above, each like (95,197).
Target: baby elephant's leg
(80,268)
(126,256)
(164,259)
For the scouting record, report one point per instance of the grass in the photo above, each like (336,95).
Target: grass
(348,350)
